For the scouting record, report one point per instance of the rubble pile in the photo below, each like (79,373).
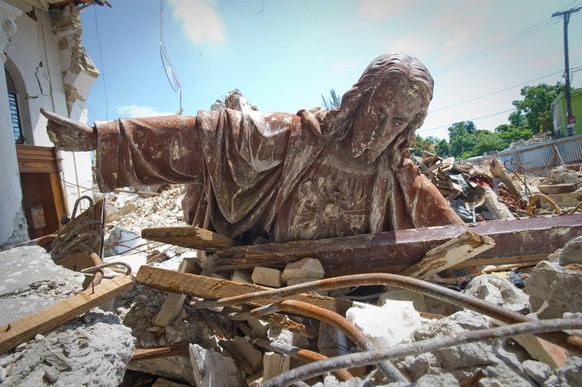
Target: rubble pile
(169,331)
(487,192)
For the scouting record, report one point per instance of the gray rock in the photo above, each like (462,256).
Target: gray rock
(436,380)
(572,252)
(559,286)
(569,375)
(498,291)
(539,372)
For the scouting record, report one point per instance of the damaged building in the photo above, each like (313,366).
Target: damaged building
(126,293)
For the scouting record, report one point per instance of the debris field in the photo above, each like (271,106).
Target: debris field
(494,302)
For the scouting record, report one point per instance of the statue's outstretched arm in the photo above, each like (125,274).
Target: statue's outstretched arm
(69,135)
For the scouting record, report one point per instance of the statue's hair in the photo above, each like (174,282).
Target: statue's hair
(339,121)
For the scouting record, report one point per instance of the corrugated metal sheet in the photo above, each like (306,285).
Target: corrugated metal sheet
(540,158)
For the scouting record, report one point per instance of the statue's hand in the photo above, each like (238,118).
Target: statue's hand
(69,135)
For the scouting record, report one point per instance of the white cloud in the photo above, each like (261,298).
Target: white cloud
(199,20)
(343,67)
(381,9)
(135,111)
(461,22)
(414,44)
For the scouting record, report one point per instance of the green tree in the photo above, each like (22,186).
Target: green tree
(461,137)
(442,148)
(536,107)
(333,101)
(422,144)
(485,141)
(511,133)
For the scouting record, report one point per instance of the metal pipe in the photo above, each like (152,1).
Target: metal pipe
(571,343)
(302,354)
(363,358)
(337,321)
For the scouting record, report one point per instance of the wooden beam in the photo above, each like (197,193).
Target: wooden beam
(191,237)
(449,254)
(214,288)
(179,349)
(391,252)
(26,328)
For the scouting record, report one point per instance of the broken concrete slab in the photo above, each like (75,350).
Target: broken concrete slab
(557,286)
(29,271)
(91,350)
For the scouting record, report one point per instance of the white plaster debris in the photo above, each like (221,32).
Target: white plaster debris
(387,325)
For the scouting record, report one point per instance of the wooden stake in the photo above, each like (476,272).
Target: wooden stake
(53,316)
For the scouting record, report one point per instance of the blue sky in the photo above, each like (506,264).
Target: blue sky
(284,54)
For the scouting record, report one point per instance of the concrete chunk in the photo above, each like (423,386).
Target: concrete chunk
(211,369)
(274,364)
(267,276)
(305,268)
(247,351)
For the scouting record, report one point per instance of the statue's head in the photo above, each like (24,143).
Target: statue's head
(385,107)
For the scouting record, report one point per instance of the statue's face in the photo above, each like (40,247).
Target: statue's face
(389,108)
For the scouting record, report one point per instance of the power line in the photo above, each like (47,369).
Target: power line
(493,93)
(102,65)
(469,119)
(497,46)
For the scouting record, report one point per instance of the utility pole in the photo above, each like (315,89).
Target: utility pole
(571,120)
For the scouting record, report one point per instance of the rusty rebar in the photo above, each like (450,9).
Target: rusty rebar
(337,321)
(302,354)
(571,343)
(536,198)
(429,345)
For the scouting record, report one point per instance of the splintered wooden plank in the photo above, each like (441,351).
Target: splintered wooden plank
(53,316)
(459,249)
(191,237)
(214,288)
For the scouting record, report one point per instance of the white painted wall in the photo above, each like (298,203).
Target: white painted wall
(34,61)
(10,192)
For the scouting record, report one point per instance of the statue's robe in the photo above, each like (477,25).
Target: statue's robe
(271,174)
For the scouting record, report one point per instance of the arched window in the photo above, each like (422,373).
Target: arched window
(14,110)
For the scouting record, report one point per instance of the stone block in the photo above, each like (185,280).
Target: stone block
(241,276)
(247,351)
(305,268)
(274,364)
(572,252)
(267,276)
